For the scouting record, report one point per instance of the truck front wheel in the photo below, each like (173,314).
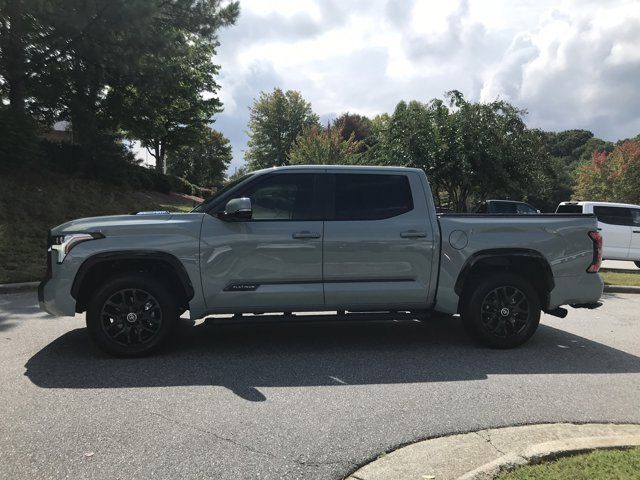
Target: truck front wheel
(501,311)
(131,315)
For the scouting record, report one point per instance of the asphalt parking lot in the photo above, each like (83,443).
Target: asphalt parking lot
(310,401)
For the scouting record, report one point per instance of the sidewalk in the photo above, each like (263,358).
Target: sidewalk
(483,454)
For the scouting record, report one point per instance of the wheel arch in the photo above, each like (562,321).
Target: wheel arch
(95,269)
(522,261)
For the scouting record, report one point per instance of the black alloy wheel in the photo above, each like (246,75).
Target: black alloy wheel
(501,310)
(132,314)
(131,317)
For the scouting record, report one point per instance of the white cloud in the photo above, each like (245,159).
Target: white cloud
(571,65)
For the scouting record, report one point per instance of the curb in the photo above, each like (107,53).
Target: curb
(549,451)
(621,289)
(483,454)
(18,287)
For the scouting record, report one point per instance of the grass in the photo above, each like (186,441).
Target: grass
(598,465)
(616,278)
(32,202)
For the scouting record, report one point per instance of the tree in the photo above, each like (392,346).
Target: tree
(356,126)
(318,146)
(165,108)
(276,120)
(203,163)
(468,150)
(612,177)
(83,60)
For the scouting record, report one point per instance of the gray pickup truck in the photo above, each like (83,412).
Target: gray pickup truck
(313,238)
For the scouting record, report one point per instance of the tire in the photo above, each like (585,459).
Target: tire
(488,311)
(131,315)
(637,264)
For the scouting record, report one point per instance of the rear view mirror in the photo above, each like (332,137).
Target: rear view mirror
(238,209)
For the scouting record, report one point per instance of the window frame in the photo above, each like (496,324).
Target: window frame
(330,191)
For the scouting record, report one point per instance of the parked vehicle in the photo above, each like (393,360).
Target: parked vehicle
(619,224)
(510,207)
(313,238)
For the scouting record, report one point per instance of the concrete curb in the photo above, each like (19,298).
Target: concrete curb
(483,454)
(621,289)
(18,287)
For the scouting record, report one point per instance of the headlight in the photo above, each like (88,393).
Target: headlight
(64,243)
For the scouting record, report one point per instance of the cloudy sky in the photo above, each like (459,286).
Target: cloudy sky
(571,63)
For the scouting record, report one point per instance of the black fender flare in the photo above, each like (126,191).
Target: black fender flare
(164,257)
(501,253)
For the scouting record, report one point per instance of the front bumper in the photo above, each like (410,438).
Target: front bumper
(54,292)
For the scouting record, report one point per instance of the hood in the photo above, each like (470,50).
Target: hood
(117,222)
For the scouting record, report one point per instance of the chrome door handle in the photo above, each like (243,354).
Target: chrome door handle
(413,234)
(306,234)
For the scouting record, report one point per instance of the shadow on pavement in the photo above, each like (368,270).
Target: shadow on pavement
(243,358)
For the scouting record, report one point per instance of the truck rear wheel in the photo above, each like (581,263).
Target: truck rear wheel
(131,315)
(501,311)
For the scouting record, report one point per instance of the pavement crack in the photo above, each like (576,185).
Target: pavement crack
(487,439)
(205,431)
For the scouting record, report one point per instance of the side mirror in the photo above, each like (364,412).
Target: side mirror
(237,209)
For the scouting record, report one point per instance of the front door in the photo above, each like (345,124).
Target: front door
(378,241)
(274,260)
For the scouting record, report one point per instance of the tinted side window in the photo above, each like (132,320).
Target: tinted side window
(503,207)
(635,213)
(526,209)
(569,209)
(283,197)
(371,196)
(614,215)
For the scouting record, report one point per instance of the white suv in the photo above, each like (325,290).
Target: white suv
(619,224)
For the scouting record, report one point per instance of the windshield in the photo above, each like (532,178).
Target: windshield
(204,205)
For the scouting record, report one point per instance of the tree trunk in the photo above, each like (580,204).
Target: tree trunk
(158,148)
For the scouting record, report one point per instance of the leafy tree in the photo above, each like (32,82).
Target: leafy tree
(612,177)
(318,146)
(165,108)
(469,150)
(276,120)
(84,60)
(203,163)
(358,126)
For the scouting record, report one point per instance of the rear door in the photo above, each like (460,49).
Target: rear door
(615,224)
(378,241)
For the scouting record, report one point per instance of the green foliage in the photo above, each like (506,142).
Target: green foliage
(108,65)
(611,177)
(470,151)
(319,146)
(17,138)
(203,163)
(358,127)
(276,120)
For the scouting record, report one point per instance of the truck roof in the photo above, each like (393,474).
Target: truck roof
(606,204)
(339,167)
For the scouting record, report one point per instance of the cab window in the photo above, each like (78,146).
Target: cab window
(285,196)
(614,215)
